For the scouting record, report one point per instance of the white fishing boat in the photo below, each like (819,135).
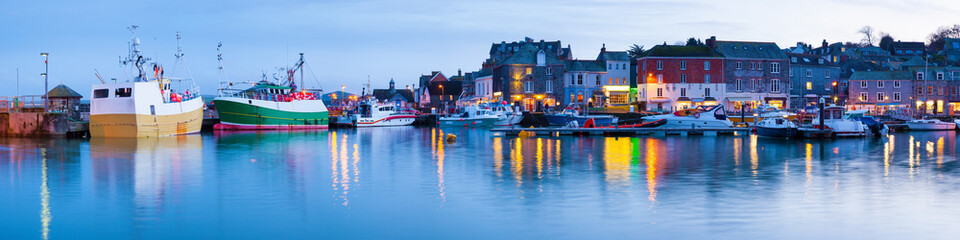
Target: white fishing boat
(506,114)
(843,125)
(383,115)
(469,117)
(931,125)
(701,117)
(144,106)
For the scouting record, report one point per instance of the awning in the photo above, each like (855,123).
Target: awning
(683,99)
(709,99)
(888,104)
(697,100)
(775,98)
(739,99)
(810,96)
(660,100)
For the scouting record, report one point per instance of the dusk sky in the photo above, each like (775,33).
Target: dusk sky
(345,41)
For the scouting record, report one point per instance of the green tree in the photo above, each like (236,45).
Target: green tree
(693,42)
(636,51)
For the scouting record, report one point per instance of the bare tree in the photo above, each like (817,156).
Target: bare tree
(869,35)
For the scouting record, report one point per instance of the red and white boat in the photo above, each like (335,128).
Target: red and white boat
(384,115)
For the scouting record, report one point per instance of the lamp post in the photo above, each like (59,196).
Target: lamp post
(442,104)
(46,86)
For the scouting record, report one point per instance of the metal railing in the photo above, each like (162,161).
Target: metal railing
(26,103)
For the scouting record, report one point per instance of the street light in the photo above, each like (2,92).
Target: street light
(46,86)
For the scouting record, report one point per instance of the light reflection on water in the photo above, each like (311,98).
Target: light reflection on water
(413,183)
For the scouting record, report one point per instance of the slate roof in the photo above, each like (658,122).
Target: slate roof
(613,56)
(682,51)
(585,66)
(528,55)
(908,45)
(951,44)
(449,88)
(882,75)
(754,50)
(810,60)
(914,61)
(545,45)
(62,91)
(387,94)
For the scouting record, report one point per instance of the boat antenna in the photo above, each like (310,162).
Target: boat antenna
(302,84)
(219,67)
(133,56)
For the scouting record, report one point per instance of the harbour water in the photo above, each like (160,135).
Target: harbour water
(409,183)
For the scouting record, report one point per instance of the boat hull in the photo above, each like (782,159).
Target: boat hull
(145,125)
(389,121)
(931,126)
(509,120)
(561,120)
(467,122)
(776,132)
(248,114)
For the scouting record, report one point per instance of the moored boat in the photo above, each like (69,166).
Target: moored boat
(469,117)
(271,106)
(701,117)
(144,107)
(383,115)
(777,127)
(505,113)
(930,125)
(570,114)
(843,125)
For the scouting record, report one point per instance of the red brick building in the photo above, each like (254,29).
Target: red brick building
(680,77)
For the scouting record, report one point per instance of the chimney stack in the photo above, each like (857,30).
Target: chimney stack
(825,44)
(712,42)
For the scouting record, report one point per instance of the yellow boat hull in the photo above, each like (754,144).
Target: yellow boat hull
(143,125)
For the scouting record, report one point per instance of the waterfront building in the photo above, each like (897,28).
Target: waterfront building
(880,91)
(899,48)
(935,89)
(483,87)
(583,82)
(681,77)
(812,76)
(403,97)
(63,99)
(755,73)
(615,82)
(951,49)
(438,93)
(528,73)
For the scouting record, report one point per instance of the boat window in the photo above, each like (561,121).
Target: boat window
(123,92)
(101,93)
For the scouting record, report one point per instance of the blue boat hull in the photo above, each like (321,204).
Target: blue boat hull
(776,132)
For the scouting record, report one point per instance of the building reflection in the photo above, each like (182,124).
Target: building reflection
(344,172)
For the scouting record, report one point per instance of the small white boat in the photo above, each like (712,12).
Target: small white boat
(843,125)
(506,114)
(931,125)
(702,117)
(383,115)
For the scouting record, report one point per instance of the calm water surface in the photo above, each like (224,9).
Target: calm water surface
(409,183)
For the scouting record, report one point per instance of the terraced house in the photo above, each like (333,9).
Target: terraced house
(936,89)
(812,76)
(880,91)
(755,73)
(583,82)
(680,77)
(528,73)
(615,83)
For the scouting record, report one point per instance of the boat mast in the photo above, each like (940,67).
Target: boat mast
(220,72)
(133,55)
(302,86)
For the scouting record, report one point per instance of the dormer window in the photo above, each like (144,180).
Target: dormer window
(793,59)
(939,76)
(919,75)
(820,61)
